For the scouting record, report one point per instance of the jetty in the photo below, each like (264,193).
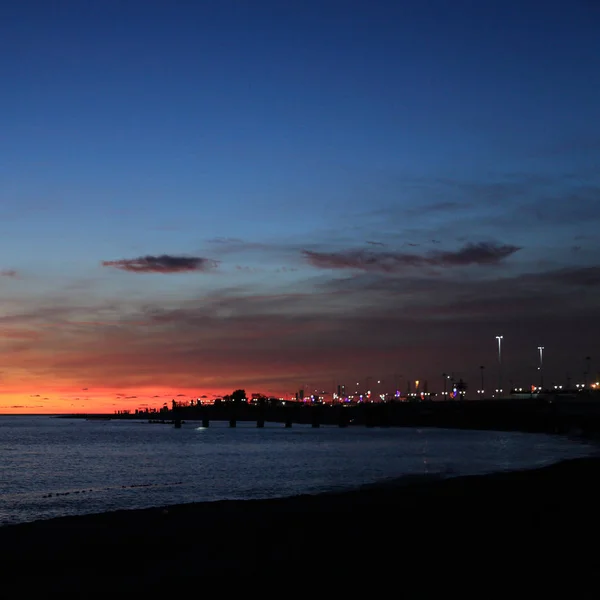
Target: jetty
(535,415)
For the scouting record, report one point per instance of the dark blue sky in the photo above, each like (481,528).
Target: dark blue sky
(368,187)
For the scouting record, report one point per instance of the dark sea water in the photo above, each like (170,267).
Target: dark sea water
(53,467)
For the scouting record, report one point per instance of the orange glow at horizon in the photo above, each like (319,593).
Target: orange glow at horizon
(67,400)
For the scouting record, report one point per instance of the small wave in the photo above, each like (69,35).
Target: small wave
(111,488)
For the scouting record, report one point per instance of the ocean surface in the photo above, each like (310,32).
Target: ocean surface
(52,467)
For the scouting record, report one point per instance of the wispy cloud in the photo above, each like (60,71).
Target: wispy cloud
(8,273)
(392,262)
(438,207)
(225,240)
(576,276)
(474,254)
(164,263)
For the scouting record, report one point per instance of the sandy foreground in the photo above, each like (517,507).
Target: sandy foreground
(532,530)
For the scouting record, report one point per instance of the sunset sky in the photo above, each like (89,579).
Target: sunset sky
(201,196)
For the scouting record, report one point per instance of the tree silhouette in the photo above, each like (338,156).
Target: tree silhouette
(239,396)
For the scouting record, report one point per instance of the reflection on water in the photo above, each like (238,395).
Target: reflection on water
(54,467)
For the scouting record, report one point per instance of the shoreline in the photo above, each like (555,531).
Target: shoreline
(412,483)
(390,482)
(236,537)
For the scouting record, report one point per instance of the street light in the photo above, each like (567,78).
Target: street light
(541,349)
(499,338)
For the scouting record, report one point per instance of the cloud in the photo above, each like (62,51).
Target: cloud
(8,273)
(233,245)
(526,204)
(437,207)
(475,254)
(575,276)
(273,250)
(282,334)
(392,262)
(19,334)
(164,263)
(247,269)
(225,240)
(385,262)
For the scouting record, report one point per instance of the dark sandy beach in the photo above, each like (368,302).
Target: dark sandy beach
(538,528)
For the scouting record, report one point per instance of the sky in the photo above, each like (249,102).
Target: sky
(202,196)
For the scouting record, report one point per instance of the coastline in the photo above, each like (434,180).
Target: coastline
(374,526)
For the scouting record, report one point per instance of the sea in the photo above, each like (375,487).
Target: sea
(52,467)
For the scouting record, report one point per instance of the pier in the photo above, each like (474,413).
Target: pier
(536,415)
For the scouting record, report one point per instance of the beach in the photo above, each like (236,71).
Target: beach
(506,523)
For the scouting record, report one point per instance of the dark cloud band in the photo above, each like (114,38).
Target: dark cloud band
(164,263)
(391,262)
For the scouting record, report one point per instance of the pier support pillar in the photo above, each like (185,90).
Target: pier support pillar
(316,417)
(205,422)
(288,423)
(232,423)
(260,422)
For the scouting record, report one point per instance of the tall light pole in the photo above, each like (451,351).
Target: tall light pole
(499,338)
(541,350)
(587,371)
(481,368)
